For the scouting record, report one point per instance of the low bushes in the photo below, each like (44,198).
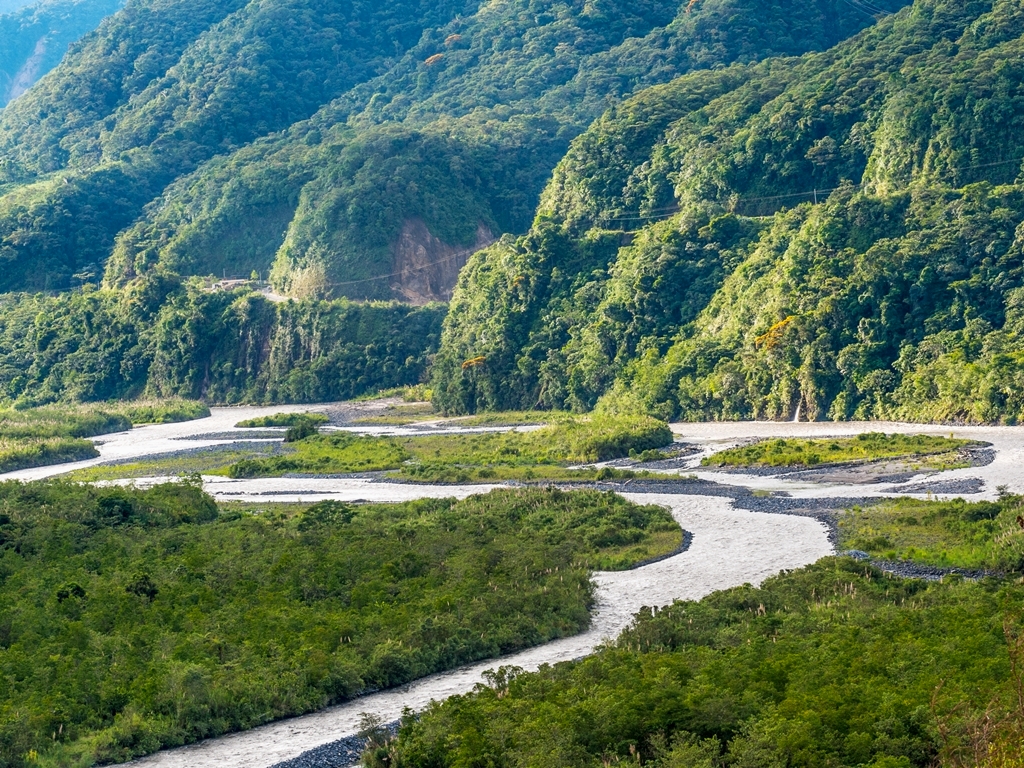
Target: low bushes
(132,620)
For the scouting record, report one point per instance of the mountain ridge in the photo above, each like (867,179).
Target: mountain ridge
(35,35)
(483,125)
(893,296)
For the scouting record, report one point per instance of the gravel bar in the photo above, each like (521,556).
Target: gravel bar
(336,754)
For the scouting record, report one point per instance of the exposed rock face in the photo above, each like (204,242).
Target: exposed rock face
(29,72)
(425,268)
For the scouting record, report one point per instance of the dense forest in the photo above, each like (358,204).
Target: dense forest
(162,339)
(830,236)
(836,664)
(35,36)
(132,620)
(298,137)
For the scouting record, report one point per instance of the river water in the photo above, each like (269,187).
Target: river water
(730,547)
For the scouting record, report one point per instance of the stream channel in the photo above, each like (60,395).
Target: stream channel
(745,528)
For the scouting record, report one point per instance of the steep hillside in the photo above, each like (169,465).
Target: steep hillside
(304,138)
(34,36)
(221,347)
(833,236)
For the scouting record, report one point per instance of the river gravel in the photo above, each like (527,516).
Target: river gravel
(729,547)
(1005,471)
(745,526)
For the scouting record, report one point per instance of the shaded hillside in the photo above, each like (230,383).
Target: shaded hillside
(35,36)
(221,347)
(834,236)
(302,137)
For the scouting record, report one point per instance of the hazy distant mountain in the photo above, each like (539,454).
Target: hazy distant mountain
(34,37)
(8,6)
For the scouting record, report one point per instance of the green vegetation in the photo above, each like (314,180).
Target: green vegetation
(42,436)
(284,420)
(25,453)
(170,410)
(795,452)
(893,291)
(57,421)
(166,340)
(416,393)
(339,453)
(300,425)
(400,415)
(836,664)
(420,412)
(131,620)
(174,160)
(506,418)
(33,39)
(209,461)
(980,535)
(451,113)
(543,454)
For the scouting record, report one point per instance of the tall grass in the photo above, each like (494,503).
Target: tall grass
(796,452)
(56,434)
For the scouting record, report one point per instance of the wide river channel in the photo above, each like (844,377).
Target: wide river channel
(734,542)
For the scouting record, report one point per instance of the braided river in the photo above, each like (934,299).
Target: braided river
(745,528)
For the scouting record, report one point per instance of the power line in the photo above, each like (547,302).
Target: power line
(405,271)
(858,8)
(664,212)
(656,213)
(870,5)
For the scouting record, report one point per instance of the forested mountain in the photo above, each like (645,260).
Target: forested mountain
(34,36)
(832,236)
(313,139)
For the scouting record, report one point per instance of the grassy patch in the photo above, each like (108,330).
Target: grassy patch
(54,435)
(544,454)
(153,620)
(339,453)
(211,461)
(927,450)
(416,393)
(284,420)
(162,411)
(511,418)
(43,451)
(440,472)
(950,533)
(57,421)
(399,415)
(38,437)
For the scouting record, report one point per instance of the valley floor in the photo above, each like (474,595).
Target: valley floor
(746,526)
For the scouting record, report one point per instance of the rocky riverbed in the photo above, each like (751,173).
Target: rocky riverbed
(746,526)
